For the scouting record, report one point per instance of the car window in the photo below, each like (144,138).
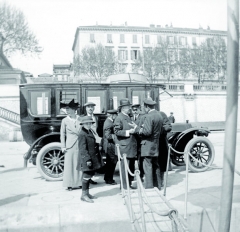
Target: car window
(66,96)
(40,102)
(99,98)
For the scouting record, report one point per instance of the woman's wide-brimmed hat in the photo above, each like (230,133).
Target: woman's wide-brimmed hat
(124,102)
(86,119)
(72,104)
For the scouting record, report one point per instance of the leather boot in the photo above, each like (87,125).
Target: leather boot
(85,196)
(87,190)
(162,178)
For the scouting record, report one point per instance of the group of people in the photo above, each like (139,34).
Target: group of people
(143,137)
(140,133)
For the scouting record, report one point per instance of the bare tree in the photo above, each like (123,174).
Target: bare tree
(96,62)
(15,32)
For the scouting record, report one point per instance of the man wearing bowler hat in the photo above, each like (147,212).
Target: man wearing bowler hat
(124,130)
(150,132)
(109,147)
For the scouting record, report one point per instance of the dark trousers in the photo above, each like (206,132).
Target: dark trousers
(110,167)
(88,174)
(140,165)
(130,162)
(152,172)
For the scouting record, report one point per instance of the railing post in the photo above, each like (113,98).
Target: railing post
(186,187)
(166,177)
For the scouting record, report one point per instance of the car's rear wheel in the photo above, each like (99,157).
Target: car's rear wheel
(177,159)
(202,150)
(50,161)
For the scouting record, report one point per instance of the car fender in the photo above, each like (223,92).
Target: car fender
(185,136)
(27,155)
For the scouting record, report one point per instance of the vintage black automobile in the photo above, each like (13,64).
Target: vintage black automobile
(41,117)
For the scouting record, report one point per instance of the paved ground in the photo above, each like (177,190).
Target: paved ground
(29,203)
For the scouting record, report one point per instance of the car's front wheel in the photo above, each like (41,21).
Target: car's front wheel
(50,161)
(202,150)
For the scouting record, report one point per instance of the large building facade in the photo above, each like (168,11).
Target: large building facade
(129,42)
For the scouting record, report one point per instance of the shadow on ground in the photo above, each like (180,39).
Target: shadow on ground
(208,197)
(12,199)
(107,193)
(15,170)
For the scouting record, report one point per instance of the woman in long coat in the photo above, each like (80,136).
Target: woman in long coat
(89,159)
(69,133)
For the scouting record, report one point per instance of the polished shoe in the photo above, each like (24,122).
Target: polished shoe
(132,187)
(69,189)
(112,182)
(92,182)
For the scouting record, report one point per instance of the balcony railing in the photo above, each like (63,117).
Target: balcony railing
(10,116)
(180,87)
(207,87)
(175,87)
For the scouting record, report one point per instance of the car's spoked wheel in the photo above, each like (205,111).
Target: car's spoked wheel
(50,162)
(203,152)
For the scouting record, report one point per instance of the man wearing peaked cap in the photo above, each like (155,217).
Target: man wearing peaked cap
(109,147)
(90,107)
(150,132)
(149,101)
(89,104)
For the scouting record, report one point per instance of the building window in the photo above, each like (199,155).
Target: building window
(159,39)
(194,41)
(134,38)
(92,40)
(182,40)
(122,38)
(147,39)
(109,38)
(134,54)
(122,55)
(170,40)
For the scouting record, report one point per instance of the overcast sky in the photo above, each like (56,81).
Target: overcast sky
(55,22)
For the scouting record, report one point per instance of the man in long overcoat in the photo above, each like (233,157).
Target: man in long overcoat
(137,117)
(124,131)
(150,132)
(163,145)
(109,147)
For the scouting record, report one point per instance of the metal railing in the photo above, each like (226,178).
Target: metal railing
(186,173)
(10,115)
(178,225)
